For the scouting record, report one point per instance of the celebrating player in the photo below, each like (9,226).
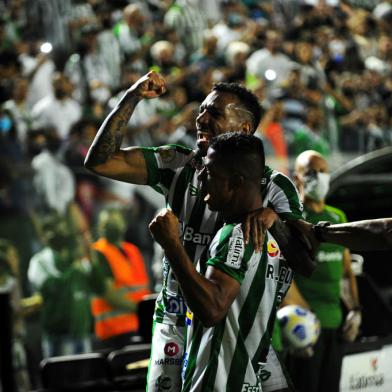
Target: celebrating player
(172,171)
(232,297)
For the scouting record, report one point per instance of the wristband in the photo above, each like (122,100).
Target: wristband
(318,230)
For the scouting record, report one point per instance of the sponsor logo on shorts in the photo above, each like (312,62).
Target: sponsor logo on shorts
(175,305)
(171,349)
(163,383)
(168,362)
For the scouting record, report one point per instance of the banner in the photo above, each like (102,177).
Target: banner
(369,371)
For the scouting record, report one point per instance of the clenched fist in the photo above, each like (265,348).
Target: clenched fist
(165,228)
(151,85)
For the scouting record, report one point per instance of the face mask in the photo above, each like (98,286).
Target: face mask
(316,187)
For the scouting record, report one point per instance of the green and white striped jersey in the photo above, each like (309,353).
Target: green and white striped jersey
(171,171)
(227,357)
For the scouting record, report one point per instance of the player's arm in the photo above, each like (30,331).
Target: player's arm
(105,156)
(210,296)
(365,235)
(283,202)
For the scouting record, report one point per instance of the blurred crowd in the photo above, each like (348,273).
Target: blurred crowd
(321,69)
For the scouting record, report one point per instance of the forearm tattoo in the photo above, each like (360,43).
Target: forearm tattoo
(110,135)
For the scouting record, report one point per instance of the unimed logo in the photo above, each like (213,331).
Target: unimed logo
(171,349)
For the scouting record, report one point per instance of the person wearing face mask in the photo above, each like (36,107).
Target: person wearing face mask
(321,292)
(120,280)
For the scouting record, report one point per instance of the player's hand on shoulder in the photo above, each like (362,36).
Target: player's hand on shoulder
(165,227)
(257,223)
(151,85)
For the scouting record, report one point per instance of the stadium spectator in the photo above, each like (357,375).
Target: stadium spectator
(321,293)
(121,280)
(60,274)
(59,111)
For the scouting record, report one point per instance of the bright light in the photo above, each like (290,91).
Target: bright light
(46,47)
(270,74)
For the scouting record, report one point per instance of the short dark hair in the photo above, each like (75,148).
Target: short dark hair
(245,96)
(243,154)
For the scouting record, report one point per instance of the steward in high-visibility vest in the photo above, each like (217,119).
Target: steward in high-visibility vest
(130,279)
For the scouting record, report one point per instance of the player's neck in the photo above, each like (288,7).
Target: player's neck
(243,206)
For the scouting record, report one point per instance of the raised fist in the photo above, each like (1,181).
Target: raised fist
(151,85)
(165,228)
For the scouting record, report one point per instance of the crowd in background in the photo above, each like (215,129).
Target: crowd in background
(321,69)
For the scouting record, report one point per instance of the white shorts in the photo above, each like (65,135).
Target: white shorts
(167,350)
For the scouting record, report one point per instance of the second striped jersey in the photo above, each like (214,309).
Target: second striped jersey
(171,171)
(228,356)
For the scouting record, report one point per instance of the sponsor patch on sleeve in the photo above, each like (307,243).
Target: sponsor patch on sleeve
(236,249)
(166,154)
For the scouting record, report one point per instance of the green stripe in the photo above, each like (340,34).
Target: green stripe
(212,365)
(192,356)
(246,320)
(266,339)
(238,366)
(152,166)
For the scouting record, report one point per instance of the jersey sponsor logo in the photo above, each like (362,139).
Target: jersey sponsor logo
(272,248)
(163,383)
(167,154)
(250,388)
(236,249)
(279,273)
(326,257)
(196,238)
(194,191)
(171,349)
(175,305)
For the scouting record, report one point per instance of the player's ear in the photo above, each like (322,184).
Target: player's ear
(246,127)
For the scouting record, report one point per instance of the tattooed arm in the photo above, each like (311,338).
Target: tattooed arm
(105,157)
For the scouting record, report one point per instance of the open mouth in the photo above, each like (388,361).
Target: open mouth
(203,137)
